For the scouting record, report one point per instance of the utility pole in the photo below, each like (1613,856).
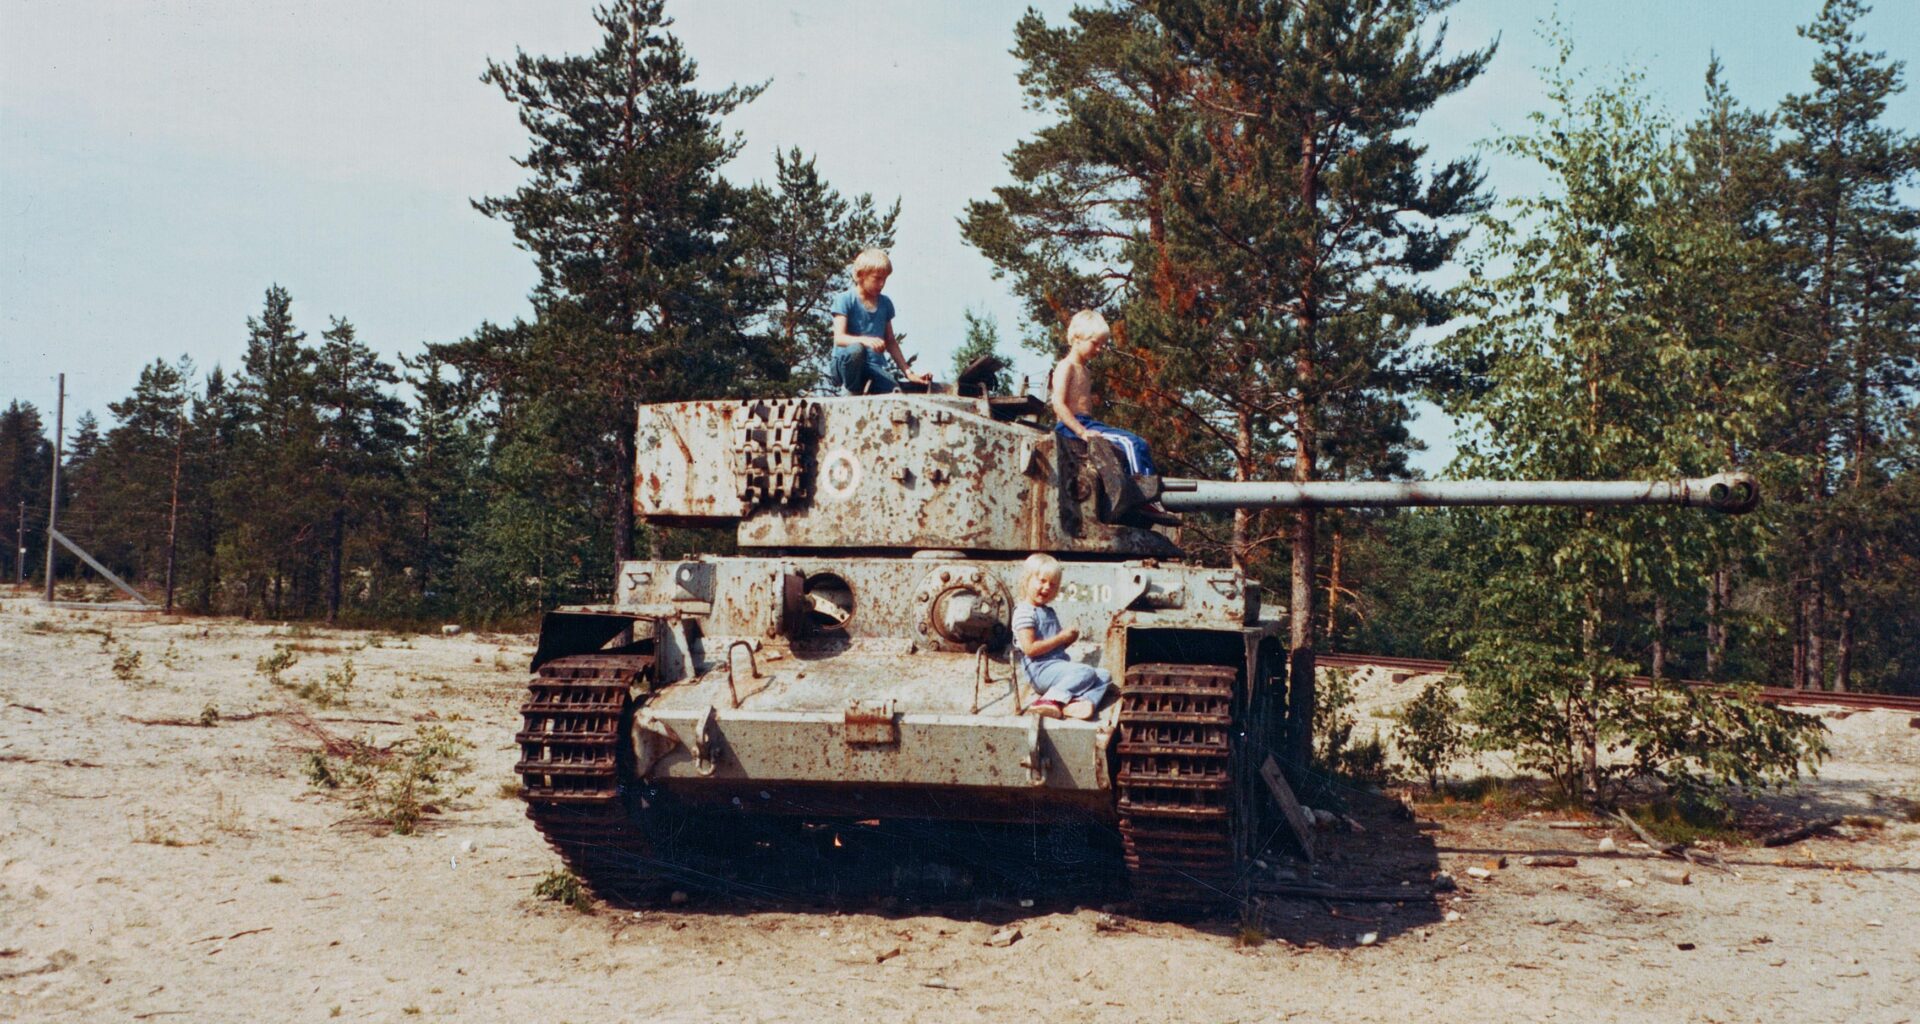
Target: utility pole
(173,506)
(53,496)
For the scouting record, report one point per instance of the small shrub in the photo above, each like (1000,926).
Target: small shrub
(332,688)
(397,786)
(1250,936)
(155,833)
(1333,717)
(210,715)
(318,769)
(1365,761)
(1429,733)
(562,886)
(126,664)
(225,816)
(172,658)
(273,666)
(1689,818)
(510,790)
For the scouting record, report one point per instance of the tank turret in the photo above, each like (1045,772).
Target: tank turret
(854,659)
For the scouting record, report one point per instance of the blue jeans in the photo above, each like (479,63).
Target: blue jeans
(860,370)
(1132,446)
(1068,681)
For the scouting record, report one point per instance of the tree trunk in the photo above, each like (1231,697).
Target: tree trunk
(1586,729)
(1816,639)
(623,478)
(336,542)
(1799,673)
(1242,471)
(1843,654)
(173,507)
(1333,583)
(1717,586)
(1302,688)
(1660,636)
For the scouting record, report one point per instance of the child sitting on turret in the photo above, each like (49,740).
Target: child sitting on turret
(1064,686)
(863,329)
(1073,401)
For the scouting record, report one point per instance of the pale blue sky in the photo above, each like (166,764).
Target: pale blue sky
(163,161)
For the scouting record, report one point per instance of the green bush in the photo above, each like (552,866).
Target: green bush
(1429,734)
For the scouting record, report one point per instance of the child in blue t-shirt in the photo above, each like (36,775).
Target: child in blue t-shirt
(1065,687)
(863,329)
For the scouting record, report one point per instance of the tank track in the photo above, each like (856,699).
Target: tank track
(572,757)
(1180,820)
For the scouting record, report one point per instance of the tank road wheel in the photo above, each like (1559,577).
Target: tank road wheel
(1182,821)
(574,760)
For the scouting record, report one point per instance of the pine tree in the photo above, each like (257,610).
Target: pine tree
(1594,370)
(798,238)
(271,531)
(26,463)
(627,216)
(1234,178)
(361,433)
(982,339)
(445,459)
(1851,227)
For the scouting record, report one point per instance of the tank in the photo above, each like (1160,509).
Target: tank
(852,662)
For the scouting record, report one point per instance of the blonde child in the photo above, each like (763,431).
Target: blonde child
(863,329)
(1073,399)
(1065,687)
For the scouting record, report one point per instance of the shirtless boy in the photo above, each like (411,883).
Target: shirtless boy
(1073,400)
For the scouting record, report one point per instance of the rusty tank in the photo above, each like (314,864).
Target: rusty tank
(853,662)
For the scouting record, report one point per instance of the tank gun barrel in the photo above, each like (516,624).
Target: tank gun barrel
(1723,492)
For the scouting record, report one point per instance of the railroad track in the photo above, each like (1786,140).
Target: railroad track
(1769,694)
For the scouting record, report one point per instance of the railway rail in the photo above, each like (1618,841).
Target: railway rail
(1770,694)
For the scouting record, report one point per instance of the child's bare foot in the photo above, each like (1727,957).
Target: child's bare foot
(1044,708)
(1080,709)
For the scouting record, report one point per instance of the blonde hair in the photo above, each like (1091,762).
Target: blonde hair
(872,261)
(1038,564)
(1088,323)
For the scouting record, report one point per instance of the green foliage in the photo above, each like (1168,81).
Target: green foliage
(1232,184)
(1688,819)
(126,664)
(562,886)
(26,462)
(1333,717)
(1429,734)
(982,339)
(800,235)
(1334,748)
(332,689)
(1592,366)
(318,770)
(272,667)
(396,786)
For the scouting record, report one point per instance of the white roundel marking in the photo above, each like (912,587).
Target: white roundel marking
(839,475)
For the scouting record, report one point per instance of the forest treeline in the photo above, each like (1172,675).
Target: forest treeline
(1237,184)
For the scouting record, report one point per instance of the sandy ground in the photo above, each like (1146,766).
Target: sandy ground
(152,868)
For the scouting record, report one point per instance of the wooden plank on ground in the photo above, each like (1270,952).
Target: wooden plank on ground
(1297,821)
